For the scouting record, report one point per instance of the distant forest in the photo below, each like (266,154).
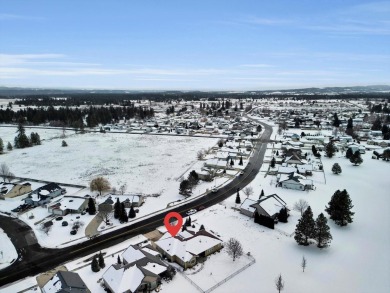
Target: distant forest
(73,117)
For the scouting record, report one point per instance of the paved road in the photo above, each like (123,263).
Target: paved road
(34,259)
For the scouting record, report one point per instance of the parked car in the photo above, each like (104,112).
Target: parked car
(64,223)
(73,232)
(58,218)
(242,173)
(191,212)
(214,190)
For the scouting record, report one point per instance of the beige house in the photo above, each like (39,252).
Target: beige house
(10,190)
(187,246)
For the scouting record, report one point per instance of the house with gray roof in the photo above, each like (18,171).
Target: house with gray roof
(65,282)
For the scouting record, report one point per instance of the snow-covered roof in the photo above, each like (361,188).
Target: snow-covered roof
(121,279)
(54,285)
(155,268)
(71,202)
(246,205)
(131,254)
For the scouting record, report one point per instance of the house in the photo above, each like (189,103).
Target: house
(295,181)
(294,159)
(10,190)
(44,194)
(107,205)
(140,271)
(187,246)
(69,205)
(64,281)
(216,164)
(265,211)
(306,169)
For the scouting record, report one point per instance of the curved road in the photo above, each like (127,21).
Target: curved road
(33,259)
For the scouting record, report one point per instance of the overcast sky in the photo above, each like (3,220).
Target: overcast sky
(203,45)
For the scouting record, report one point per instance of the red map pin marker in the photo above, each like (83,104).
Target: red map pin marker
(173,229)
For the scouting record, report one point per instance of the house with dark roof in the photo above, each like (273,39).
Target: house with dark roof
(141,271)
(65,282)
(44,194)
(295,181)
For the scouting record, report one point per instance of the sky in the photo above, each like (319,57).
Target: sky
(194,45)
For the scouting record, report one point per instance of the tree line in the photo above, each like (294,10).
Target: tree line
(73,117)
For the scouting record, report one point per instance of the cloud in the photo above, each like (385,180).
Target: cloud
(8,16)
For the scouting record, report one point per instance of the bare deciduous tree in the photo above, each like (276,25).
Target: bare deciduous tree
(234,248)
(248,191)
(200,155)
(105,216)
(122,188)
(303,263)
(301,206)
(100,184)
(279,283)
(5,173)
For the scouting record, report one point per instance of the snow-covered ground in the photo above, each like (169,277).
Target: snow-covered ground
(8,252)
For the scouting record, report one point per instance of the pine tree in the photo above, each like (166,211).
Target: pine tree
(1,146)
(339,208)
(117,209)
(101,260)
(336,121)
(314,149)
(241,163)
(95,265)
(305,228)
(123,215)
(189,221)
(349,129)
(91,206)
(330,149)
(261,194)
(349,153)
(132,213)
(21,140)
(231,163)
(356,158)
(119,260)
(283,215)
(273,162)
(238,199)
(64,144)
(336,169)
(201,227)
(322,231)
(9,146)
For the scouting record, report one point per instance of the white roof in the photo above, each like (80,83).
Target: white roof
(44,192)
(155,268)
(283,169)
(271,206)
(246,205)
(71,202)
(201,243)
(122,280)
(132,255)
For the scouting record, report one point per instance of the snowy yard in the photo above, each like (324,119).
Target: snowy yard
(8,252)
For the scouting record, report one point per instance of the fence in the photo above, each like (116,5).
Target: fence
(221,282)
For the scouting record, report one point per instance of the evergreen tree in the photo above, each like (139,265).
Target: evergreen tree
(117,209)
(261,194)
(339,208)
(336,121)
(349,129)
(241,163)
(64,144)
(336,169)
(193,178)
(101,260)
(9,146)
(330,149)
(277,153)
(132,213)
(95,265)
(189,221)
(377,125)
(1,146)
(349,153)
(314,149)
(273,162)
(231,163)
(123,218)
(238,199)
(118,260)
(283,215)
(184,186)
(21,140)
(305,228)
(356,158)
(322,231)
(201,227)
(91,206)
